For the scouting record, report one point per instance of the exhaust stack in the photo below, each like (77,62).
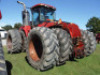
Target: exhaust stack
(25,14)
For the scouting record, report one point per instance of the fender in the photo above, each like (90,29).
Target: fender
(75,32)
(72,28)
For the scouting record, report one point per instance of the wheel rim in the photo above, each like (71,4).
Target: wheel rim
(35,48)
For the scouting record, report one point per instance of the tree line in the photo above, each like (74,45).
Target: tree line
(16,26)
(93,25)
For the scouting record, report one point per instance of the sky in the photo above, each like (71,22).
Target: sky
(74,11)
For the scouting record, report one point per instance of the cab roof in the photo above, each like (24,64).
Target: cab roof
(43,5)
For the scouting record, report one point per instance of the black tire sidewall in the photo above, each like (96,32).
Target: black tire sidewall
(38,63)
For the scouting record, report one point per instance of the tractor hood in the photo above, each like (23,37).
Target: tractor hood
(51,23)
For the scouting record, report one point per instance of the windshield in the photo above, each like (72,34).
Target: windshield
(42,14)
(46,13)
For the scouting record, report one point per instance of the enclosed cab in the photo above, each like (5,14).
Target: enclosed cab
(42,13)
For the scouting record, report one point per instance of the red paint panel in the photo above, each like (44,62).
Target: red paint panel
(72,28)
(0,15)
(26,29)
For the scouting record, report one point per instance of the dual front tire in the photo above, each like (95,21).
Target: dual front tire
(43,48)
(54,46)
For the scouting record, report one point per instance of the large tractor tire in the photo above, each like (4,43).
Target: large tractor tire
(92,43)
(24,41)
(65,44)
(89,42)
(42,47)
(3,70)
(13,41)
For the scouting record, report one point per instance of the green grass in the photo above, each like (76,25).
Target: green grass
(86,66)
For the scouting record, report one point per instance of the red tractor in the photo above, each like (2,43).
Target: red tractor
(49,42)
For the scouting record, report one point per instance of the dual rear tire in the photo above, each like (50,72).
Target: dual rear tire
(65,45)
(89,42)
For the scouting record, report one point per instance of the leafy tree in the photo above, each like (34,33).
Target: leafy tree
(93,24)
(17,25)
(7,27)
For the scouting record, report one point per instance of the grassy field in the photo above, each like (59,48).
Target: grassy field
(17,65)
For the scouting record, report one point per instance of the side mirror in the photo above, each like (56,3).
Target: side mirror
(0,15)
